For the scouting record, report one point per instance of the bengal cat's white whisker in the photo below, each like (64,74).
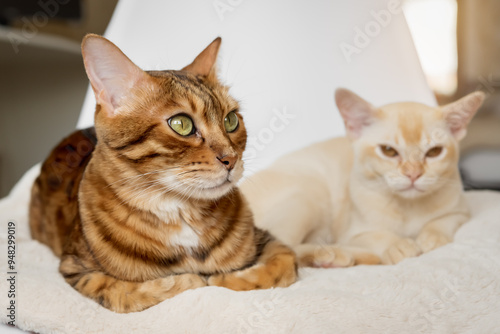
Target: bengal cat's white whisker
(144,191)
(129,178)
(139,187)
(139,190)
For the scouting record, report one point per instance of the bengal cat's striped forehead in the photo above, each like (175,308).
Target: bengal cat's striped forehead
(209,100)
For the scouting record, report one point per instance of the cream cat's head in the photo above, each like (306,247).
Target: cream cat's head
(408,149)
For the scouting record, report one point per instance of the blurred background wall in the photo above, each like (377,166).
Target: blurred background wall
(43,83)
(458,42)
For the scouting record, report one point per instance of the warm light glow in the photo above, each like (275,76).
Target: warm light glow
(433,26)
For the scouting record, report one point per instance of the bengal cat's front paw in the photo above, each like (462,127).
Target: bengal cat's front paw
(326,256)
(429,240)
(235,281)
(194,281)
(279,270)
(400,250)
(252,279)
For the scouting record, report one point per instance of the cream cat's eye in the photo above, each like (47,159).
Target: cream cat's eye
(231,122)
(182,124)
(388,151)
(434,152)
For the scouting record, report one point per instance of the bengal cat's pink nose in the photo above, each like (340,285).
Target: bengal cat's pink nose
(228,161)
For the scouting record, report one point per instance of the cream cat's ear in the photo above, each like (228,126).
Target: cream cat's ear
(356,112)
(459,113)
(112,75)
(204,63)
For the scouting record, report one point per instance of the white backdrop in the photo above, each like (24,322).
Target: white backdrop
(283,59)
(282,54)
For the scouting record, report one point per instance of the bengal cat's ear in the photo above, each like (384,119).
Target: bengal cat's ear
(111,73)
(204,63)
(356,112)
(459,113)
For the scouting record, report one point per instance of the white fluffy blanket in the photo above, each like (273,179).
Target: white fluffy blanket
(455,289)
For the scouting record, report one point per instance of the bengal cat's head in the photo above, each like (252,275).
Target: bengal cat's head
(179,129)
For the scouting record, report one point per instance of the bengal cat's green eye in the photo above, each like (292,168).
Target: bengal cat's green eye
(231,122)
(389,151)
(434,152)
(182,124)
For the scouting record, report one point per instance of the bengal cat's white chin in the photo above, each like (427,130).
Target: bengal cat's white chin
(211,186)
(214,192)
(221,186)
(201,189)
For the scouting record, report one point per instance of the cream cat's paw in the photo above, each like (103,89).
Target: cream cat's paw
(324,256)
(429,240)
(400,250)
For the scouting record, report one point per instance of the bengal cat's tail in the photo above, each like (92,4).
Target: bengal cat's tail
(124,296)
(54,204)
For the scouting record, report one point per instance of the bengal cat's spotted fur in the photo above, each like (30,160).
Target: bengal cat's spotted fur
(139,213)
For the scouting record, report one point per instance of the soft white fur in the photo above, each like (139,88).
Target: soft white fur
(454,289)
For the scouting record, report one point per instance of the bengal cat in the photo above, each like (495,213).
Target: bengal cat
(146,206)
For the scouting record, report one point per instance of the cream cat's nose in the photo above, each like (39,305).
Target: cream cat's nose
(413,175)
(228,161)
(412,170)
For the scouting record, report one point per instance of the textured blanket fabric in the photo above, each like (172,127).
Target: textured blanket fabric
(455,289)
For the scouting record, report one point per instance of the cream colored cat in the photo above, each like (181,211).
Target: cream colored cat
(389,191)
